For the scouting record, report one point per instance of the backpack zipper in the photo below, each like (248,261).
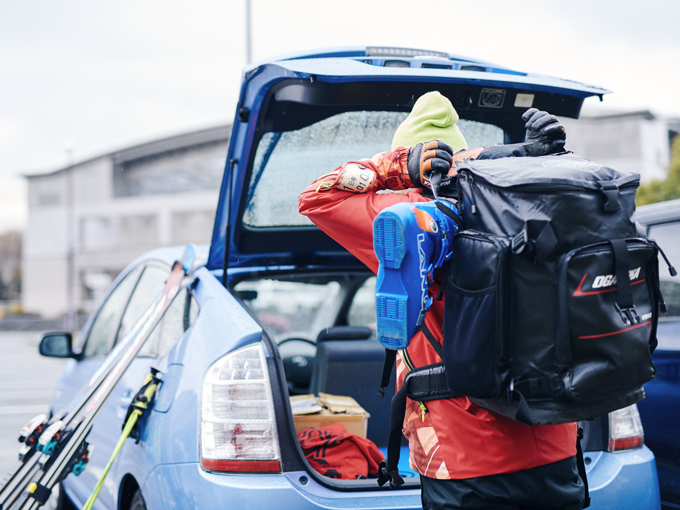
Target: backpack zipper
(671,270)
(473,207)
(631,181)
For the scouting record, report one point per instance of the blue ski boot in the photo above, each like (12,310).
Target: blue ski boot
(411,240)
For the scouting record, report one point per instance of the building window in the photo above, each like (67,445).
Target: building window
(96,233)
(178,171)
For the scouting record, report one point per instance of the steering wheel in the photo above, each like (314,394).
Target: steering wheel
(298,356)
(296,339)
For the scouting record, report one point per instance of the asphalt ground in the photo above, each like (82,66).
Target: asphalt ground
(26,383)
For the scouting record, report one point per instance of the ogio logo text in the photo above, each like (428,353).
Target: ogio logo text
(423,279)
(609,280)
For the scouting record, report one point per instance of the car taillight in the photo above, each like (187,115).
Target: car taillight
(238,430)
(625,429)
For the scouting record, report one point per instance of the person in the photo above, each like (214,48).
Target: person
(467,456)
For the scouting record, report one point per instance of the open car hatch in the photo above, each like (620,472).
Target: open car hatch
(301,116)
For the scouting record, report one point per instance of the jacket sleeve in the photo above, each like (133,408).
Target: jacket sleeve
(344,203)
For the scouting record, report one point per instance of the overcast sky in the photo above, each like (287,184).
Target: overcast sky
(105,75)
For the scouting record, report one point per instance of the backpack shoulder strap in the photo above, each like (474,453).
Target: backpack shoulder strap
(390,356)
(388,468)
(580,464)
(433,341)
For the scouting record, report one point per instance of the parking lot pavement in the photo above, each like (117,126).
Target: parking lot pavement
(26,383)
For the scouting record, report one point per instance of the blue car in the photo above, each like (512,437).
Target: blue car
(660,410)
(275,308)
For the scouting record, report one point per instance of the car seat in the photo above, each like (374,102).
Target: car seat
(348,363)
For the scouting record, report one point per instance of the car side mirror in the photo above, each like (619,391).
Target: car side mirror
(56,344)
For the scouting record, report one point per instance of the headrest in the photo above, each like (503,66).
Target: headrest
(344,333)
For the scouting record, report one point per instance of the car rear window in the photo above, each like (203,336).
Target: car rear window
(290,309)
(287,162)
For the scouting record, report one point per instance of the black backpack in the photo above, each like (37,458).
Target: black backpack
(552,295)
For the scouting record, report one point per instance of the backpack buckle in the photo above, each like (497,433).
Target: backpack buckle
(519,241)
(628,315)
(611,195)
(392,477)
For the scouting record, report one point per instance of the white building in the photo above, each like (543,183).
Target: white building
(632,142)
(112,208)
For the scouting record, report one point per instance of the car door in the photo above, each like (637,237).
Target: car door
(115,317)
(136,458)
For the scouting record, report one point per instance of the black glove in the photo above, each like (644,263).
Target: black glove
(425,160)
(545,133)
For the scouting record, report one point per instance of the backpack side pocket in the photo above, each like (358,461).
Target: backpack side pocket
(475,326)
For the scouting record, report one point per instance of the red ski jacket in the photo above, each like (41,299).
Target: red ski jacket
(452,438)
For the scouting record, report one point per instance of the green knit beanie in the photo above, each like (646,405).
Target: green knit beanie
(433,118)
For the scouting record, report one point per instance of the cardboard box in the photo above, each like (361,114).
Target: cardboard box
(312,411)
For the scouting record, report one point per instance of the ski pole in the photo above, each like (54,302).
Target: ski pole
(137,408)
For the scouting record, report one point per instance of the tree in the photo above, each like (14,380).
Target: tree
(668,189)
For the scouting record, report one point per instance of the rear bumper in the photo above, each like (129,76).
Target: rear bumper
(626,480)
(622,481)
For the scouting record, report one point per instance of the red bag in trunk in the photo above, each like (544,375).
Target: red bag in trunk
(335,453)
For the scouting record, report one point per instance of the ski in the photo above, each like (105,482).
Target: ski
(29,436)
(59,447)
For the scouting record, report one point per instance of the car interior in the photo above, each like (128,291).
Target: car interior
(325,332)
